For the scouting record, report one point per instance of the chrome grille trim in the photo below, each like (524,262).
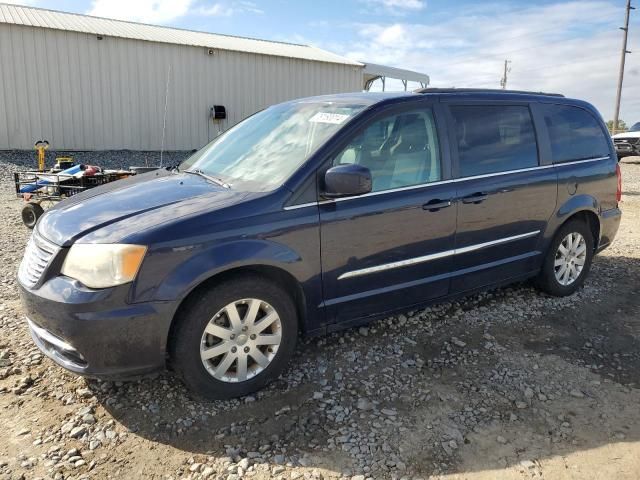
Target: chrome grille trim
(37,256)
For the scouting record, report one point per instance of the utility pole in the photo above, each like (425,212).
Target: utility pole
(625,29)
(503,80)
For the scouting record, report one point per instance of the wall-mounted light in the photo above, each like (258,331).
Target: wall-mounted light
(218,112)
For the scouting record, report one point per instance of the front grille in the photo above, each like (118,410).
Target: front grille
(37,257)
(630,140)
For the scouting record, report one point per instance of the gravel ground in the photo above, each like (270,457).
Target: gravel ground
(506,384)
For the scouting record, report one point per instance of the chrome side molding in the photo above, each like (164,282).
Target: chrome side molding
(435,256)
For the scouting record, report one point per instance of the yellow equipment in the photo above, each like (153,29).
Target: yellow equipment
(41,146)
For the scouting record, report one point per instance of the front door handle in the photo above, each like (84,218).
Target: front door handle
(475,198)
(436,204)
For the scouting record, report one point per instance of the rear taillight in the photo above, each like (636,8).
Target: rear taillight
(619,190)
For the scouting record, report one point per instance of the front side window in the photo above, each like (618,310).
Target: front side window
(400,150)
(264,150)
(494,138)
(574,133)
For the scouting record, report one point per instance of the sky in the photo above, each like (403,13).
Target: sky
(568,47)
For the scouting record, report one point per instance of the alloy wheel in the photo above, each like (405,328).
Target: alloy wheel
(570,258)
(241,340)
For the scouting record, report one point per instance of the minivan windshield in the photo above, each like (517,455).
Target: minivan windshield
(261,152)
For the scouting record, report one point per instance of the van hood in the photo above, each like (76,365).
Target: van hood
(140,202)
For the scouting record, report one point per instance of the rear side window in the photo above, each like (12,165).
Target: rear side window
(574,133)
(494,138)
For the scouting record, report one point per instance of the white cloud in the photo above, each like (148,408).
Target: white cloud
(228,9)
(216,10)
(571,48)
(392,35)
(398,6)
(146,11)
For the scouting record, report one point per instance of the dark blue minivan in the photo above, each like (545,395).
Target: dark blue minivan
(315,215)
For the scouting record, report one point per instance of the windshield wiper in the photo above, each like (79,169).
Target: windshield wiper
(215,180)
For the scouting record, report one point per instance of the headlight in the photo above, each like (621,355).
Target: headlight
(103,265)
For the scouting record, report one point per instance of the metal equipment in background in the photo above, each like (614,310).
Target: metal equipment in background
(41,188)
(41,147)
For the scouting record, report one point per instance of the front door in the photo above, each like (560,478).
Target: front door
(505,197)
(387,249)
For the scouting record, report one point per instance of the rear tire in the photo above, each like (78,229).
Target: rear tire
(31,213)
(220,349)
(568,260)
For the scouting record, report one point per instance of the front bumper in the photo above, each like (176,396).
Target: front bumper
(95,332)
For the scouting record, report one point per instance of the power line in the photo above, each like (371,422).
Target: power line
(529,34)
(475,57)
(544,67)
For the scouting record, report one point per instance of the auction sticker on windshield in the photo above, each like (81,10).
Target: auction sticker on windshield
(326,117)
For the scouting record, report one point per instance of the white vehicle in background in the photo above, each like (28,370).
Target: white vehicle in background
(628,143)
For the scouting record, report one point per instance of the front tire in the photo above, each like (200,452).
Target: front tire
(235,338)
(568,260)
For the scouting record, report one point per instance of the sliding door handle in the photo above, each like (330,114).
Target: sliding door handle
(436,204)
(476,198)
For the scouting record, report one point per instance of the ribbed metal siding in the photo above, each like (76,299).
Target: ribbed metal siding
(82,93)
(73,22)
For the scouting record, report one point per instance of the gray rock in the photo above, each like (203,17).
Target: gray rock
(84,393)
(207,472)
(88,419)
(576,393)
(78,432)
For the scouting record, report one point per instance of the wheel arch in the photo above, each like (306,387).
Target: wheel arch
(269,272)
(591,219)
(583,208)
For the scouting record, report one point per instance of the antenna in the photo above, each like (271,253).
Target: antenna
(164,118)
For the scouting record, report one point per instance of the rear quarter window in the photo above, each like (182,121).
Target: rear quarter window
(574,133)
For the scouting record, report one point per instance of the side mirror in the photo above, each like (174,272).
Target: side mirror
(347,180)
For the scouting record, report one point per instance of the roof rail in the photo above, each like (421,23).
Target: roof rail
(482,90)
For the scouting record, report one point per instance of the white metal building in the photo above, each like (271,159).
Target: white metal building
(88,83)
